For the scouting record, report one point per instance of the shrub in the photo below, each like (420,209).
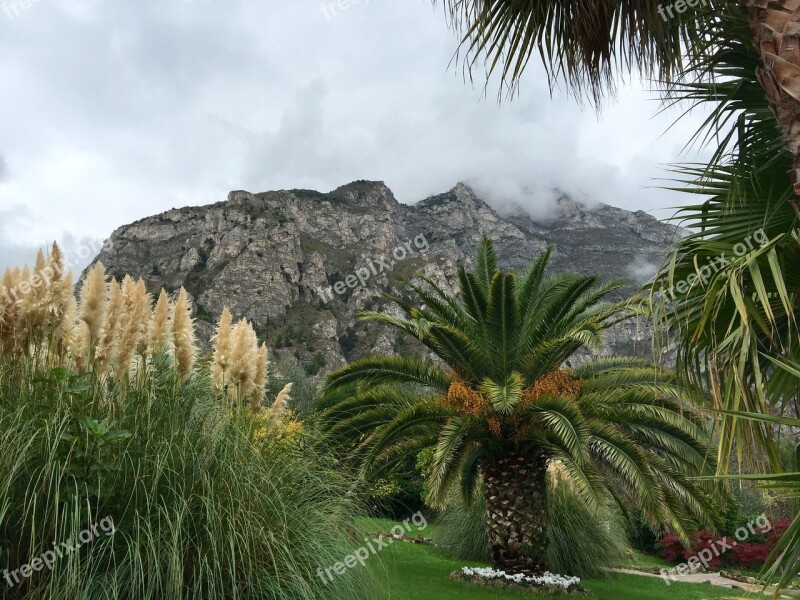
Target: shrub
(751,553)
(673,551)
(200,509)
(750,556)
(640,533)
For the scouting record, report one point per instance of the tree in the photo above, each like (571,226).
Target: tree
(502,409)
(730,293)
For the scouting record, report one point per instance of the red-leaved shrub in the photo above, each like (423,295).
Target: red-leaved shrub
(744,554)
(750,556)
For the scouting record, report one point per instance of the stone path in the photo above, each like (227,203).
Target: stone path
(711,578)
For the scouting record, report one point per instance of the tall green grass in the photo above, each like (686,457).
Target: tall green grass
(579,542)
(201,508)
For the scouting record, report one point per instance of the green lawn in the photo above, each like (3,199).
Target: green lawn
(419,572)
(646,561)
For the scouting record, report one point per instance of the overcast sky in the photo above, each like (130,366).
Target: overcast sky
(116,110)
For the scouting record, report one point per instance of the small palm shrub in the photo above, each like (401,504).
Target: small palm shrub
(579,541)
(108,416)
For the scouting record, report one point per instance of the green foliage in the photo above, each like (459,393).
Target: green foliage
(463,530)
(201,508)
(737,316)
(91,453)
(640,534)
(581,541)
(398,494)
(784,561)
(395,494)
(317,362)
(304,387)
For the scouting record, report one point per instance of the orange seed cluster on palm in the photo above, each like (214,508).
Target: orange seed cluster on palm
(463,398)
(556,383)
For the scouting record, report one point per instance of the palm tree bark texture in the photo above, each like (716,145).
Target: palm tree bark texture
(776,33)
(516,512)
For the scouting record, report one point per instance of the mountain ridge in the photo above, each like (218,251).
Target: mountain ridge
(267,256)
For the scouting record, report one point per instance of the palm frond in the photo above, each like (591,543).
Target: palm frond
(381,370)
(586,44)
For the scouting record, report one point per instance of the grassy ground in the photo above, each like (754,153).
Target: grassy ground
(639,560)
(423,573)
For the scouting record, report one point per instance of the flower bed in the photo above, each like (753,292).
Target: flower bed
(548,583)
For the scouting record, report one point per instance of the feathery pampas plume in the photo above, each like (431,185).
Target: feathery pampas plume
(93,302)
(242,372)
(33,300)
(239,367)
(10,312)
(280,408)
(108,338)
(135,314)
(183,339)
(262,367)
(222,343)
(158,337)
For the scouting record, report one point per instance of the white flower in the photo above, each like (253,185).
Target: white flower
(547,579)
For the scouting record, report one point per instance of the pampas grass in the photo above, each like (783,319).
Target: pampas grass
(200,510)
(104,352)
(262,369)
(239,366)
(105,412)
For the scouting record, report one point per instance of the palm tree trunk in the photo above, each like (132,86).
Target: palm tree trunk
(516,509)
(776,29)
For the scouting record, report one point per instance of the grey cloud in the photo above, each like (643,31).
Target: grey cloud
(642,270)
(78,252)
(136,107)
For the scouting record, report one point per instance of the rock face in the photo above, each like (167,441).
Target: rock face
(300,264)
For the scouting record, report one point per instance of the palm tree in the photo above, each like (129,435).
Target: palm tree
(743,297)
(588,43)
(499,408)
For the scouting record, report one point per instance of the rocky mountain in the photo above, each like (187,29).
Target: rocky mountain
(300,264)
